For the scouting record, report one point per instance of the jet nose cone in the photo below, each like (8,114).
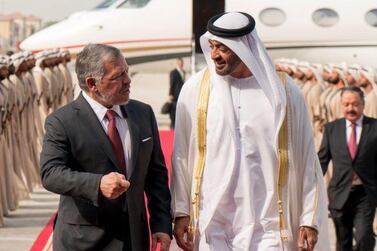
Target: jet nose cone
(26,44)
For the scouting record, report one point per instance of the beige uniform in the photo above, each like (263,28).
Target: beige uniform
(8,176)
(326,116)
(299,83)
(54,88)
(336,106)
(68,86)
(3,199)
(328,100)
(34,127)
(370,109)
(322,106)
(29,171)
(12,134)
(60,84)
(37,115)
(312,98)
(44,96)
(306,88)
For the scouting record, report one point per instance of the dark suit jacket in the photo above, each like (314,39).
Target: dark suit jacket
(176,83)
(77,153)
(334,147)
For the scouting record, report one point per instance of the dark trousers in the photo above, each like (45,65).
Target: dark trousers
(358,214)
(172,114)
(125,230)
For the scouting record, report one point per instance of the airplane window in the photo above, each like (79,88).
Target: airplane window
(133,4)
(325,17)
(272,16)
(371,17)
(105,4)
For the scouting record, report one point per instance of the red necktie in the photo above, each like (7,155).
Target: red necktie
(352,148)
(352,145)
(115,140)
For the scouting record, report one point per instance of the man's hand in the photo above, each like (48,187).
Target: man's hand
(307,238)
(113,185)
(163,239)
(181,225)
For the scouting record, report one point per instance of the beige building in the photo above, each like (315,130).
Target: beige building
(15,27)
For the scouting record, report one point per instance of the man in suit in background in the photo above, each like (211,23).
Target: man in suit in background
(351,144)
(101,153)
(177,78)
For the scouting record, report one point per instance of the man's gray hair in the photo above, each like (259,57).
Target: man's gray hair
(90,62)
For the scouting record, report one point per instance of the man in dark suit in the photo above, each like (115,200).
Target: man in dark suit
(101,153)
(177,78)
(351,144)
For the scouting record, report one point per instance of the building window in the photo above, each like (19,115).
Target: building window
(130,4)
(272,16)
(371,17)
(105,4)
(325,17)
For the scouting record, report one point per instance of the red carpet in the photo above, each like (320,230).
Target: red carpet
(167,139)
(43,236)
(42,241)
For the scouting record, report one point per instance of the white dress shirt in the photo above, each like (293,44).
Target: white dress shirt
(121,125)
(181,72)
(359,129)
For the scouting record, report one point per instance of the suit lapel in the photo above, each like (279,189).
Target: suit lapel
(91,122)
(364,135)
(134,134)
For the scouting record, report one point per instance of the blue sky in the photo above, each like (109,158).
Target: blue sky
(48,10)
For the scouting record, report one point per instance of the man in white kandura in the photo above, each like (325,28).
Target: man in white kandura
(245,172)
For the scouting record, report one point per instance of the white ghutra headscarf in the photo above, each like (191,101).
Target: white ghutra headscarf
(250,49)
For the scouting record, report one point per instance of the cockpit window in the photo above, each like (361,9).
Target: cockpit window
(105,4)
(133,4)
(371,17)
(325,17)
(272,16)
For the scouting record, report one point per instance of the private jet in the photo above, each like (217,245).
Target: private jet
(145,30)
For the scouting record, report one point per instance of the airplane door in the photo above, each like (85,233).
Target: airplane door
(202,12)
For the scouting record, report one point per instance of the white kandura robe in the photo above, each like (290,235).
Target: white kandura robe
(238,194)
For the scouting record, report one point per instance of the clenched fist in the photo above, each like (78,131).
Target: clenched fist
(113,185)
